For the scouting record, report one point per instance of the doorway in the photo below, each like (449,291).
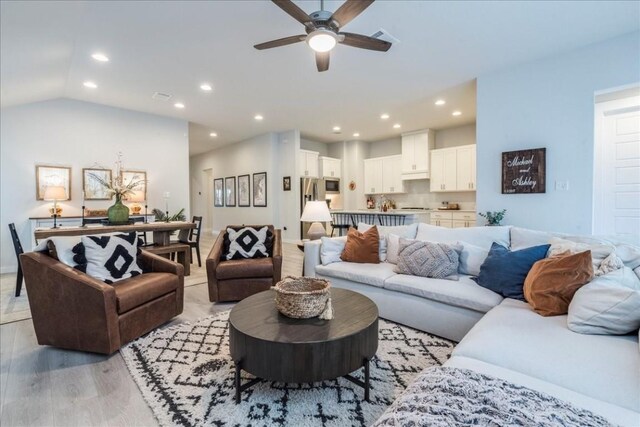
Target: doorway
(617,165)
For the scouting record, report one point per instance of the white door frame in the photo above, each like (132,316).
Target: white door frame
(603,110)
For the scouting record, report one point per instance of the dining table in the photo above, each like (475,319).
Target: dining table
(161,230)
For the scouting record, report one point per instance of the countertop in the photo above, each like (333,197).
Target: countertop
(397,211)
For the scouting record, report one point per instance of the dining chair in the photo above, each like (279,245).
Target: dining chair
(391,219)
(17,246)
(143,234)
(193,240)
(365,218)
(339,221)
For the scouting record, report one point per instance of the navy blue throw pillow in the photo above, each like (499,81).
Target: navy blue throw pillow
(504,271)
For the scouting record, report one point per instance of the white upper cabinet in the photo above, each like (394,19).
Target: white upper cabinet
(466,168)
(415,154)
(330,167)
(308,163)
(383,175)
(453,169)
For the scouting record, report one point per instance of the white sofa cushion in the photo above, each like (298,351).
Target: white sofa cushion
(513,336)
(471,258)
(461,293)
(331,249)
(406,231)
(609,304)
(478,236)
(370,274)
(522,238)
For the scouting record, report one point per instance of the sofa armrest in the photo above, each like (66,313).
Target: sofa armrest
(211,264)
(156,264)
(312,256)
(69,308)
(277,256)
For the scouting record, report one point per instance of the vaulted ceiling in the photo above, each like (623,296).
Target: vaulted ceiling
(173,47)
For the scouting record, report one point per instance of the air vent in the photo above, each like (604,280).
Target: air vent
(383,34)
(161,96)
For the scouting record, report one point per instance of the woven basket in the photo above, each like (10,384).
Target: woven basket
(304,297)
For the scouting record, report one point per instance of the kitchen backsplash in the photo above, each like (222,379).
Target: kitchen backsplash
(418,195)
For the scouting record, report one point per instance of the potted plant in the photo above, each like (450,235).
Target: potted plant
(493,217)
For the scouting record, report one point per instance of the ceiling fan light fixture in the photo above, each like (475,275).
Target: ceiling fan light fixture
(322,40)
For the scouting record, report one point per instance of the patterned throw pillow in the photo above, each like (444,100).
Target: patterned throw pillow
(427,259)
(247,242)
(109,258)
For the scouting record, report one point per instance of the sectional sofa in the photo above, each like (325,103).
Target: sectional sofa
(503,338)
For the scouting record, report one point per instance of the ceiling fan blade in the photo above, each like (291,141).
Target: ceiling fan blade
(280,42)
(294,11)
(322,61)
(364,42)
(349,10)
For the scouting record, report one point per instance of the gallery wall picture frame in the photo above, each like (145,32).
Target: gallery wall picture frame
(129,175)
(218,192)
(230,191)
(47,175)
(286,183)
(92,187)
(244,190)
(524,171)
(260,189)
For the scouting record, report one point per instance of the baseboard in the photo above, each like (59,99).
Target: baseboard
(8,269)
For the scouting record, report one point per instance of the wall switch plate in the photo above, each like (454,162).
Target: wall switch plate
(562,185)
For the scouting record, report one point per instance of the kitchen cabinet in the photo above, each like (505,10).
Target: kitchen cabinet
(383,175)
(308,164)
(466,168)
(453,219)
(416,148)
(330,167)
(453,169)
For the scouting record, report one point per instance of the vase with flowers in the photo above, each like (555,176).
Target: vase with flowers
(118,213)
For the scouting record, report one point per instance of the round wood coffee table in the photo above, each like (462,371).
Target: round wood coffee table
(274,347)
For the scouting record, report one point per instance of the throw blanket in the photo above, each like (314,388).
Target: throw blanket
(444,396)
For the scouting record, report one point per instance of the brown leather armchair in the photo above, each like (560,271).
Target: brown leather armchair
(75,311)
(237,279)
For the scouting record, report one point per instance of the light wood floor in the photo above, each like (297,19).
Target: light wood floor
(45,386)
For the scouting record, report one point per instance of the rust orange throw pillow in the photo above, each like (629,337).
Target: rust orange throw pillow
(552,282)
(362,247)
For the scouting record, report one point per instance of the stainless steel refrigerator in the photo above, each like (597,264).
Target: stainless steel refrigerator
(310,189)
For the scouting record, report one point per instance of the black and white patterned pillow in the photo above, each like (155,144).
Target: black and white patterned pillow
(109,258)
(247,242)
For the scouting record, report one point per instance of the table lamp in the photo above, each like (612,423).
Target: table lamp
(55,193)
(136,197)
(316,212)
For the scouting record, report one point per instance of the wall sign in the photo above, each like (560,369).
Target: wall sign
(523,171)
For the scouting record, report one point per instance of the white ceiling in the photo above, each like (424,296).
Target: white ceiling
(172,47)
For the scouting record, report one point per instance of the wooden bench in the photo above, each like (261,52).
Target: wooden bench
(183,251)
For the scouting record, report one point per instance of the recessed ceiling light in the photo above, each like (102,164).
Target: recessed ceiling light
(356,134)
(456,113)
(90,85)
(213,134)
(258,117)
(336,128)
(384,116)
(206,87)
(440,102)
(396,126)
(179,105)
(100,57)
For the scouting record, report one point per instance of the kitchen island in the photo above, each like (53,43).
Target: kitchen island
(377,217)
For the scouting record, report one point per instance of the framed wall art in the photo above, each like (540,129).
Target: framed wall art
(523,171)
(230,191)
(129,176)
(218,192)
(244,190)
(260,189)
(52,176)
(92,186)
(286,183)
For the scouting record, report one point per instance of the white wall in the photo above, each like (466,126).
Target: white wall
(549,103)
(386,147)
(455,136)
(320,147)
(72,133)
(272,153)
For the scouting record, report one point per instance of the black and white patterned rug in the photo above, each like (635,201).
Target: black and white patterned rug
(186,376)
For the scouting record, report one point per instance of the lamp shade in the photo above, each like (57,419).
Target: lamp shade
(136,196)
(317,211)
(55,192)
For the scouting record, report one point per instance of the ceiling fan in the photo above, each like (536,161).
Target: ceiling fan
(323,30)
